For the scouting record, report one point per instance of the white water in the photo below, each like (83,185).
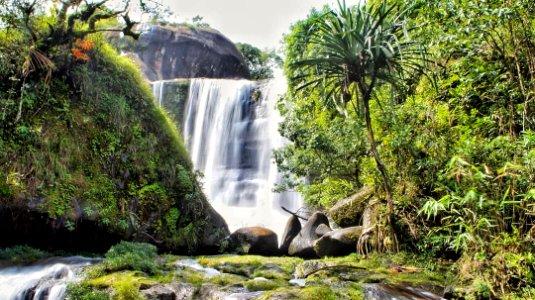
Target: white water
(231,137)
(46,280)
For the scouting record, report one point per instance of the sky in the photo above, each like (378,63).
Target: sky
(260,23)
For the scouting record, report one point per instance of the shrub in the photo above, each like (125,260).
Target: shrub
(131,256)
(22,255)
(81,291)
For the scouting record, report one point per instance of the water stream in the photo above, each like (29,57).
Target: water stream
(231,129)
(44,280)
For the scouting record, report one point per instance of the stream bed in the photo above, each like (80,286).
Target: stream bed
(229,277)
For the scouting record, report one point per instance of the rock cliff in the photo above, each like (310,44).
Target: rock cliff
(187,52)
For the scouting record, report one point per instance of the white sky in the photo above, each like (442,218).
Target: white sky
(260,23)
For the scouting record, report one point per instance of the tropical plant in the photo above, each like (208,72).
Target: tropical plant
(358,49)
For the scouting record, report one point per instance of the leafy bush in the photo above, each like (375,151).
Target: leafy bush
(81,291)
(22,255)
(131,256)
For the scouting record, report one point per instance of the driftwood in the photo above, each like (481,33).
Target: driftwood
(293,213)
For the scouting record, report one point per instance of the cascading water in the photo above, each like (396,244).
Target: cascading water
(45,280)
(231,129)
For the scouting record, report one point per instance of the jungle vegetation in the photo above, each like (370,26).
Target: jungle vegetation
(80,135)
(432,104)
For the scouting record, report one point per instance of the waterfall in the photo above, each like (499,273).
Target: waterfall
(45,280)
(231,129)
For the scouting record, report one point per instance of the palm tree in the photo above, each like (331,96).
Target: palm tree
(357,49)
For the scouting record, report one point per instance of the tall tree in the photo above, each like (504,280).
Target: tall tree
(358,49)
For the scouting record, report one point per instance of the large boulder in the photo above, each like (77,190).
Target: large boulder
(338,242)
(303,244)
(254,240)
(348,212)
(187,52)
(293,226)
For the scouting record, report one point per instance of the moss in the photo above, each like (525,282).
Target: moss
(228,280)
(305,293)
(263,284)
(98,147)
(252,265)
(193,277)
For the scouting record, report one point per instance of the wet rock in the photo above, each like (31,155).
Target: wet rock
(254,240)
(210,291)
(380,291)
(338,242)
(159,292)
(170,291)
(293,226)
(302,244)
(182,290)
(348,211)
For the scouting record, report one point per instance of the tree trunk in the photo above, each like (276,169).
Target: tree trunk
(382,169)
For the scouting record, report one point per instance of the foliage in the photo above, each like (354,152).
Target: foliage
(79,130)
(22,255)
(131,256)
(82,291)
(457,145)
(260,63)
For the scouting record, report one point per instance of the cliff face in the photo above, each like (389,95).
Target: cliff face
(186,52)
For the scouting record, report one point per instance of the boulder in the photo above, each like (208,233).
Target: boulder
(185,52)
(348,212)
(302,244)
(322,229)
(338,242)
(170,291)
(293,226)
(159,292)
(209,291)
(254,240)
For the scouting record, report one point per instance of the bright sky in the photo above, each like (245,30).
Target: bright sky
(260,23)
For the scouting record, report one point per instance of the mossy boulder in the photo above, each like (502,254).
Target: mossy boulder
(348,212)
(94,160)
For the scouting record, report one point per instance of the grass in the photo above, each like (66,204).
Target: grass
(22,255)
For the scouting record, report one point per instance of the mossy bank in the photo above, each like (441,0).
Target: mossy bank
(133,271)
(88,159)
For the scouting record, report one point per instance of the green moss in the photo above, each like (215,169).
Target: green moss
(252,265)
(262,284)
(95,145)
(125,285)
(228,280)
(305,293)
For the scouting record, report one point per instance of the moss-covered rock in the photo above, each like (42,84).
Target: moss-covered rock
(348,211)
(95,160)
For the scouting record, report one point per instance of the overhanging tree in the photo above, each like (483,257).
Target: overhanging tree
(358,49)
